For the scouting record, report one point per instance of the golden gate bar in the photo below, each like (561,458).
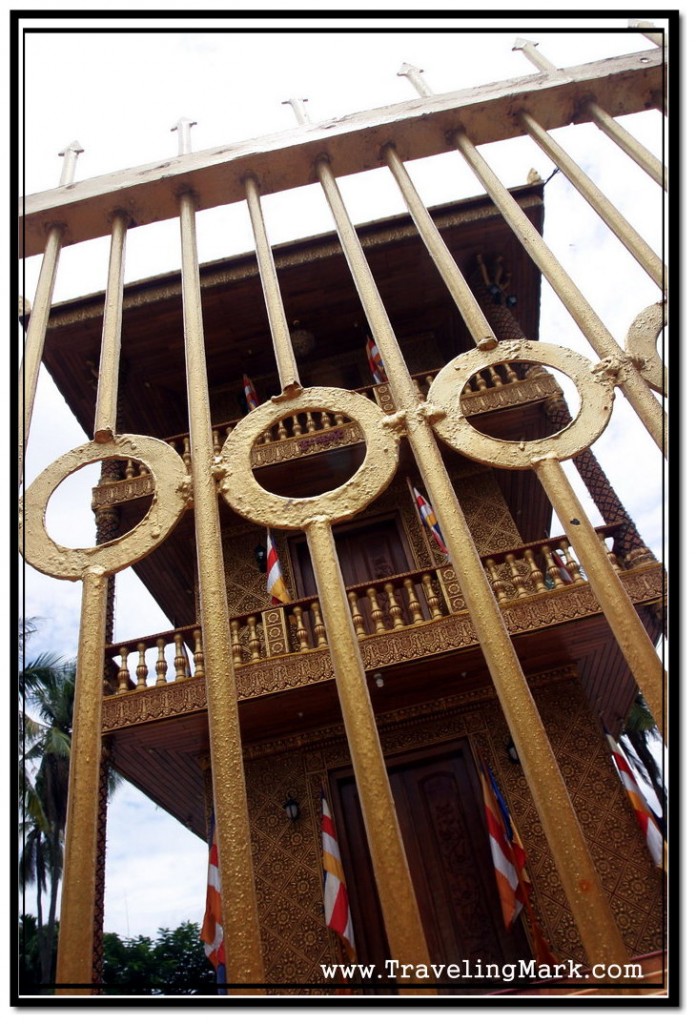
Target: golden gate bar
(214,473)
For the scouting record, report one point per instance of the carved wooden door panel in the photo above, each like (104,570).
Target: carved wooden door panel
(369,551)
(442,821)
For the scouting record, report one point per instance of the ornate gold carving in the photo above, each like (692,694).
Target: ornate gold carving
(117,491)
(275,631)
(528,390)
(297,447)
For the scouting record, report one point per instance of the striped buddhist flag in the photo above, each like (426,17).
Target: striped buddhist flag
(275,584)
(374,358)
(646,822)
(211,930)
(560,564)
(252,399)
(336,909)
(510,862)
(430,519)
(505,858)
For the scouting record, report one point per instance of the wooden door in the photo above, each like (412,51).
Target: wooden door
(440,810)
(370,551)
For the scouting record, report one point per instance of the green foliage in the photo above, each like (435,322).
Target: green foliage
(173,964)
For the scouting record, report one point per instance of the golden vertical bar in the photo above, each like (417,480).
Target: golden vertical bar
(635,644)
(588,903)
(615,221)
(74,964)
(471,312)
(107,389)
(629,144)
(240,915)
(407,941)
(630,381)
(36,336)
(282,346)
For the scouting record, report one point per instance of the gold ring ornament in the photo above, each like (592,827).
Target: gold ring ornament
(595,386)
(641,345)
(169,501)
(246,496)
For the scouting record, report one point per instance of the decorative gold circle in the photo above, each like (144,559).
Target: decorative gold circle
(169,499)
(243,492)
(641,343)
(596,397)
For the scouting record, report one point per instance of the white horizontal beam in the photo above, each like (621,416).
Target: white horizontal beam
(418,128)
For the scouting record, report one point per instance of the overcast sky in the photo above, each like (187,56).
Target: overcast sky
(119,96)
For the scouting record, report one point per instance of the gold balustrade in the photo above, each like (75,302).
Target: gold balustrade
(408,600)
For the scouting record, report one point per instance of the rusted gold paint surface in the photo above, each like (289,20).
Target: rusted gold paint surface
(168,505)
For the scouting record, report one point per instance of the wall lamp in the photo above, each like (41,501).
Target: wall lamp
(260,556)
(512,751)
(291,808)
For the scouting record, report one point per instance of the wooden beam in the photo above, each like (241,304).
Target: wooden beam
(418,128)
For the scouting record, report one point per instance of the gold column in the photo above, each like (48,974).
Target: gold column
(38,319)
(74,964)
(107,389)
(640,655)
(630,145)
(615,221)
(472,314)
(588,904)
(282,346)
(240,917)
(407,941)
(35,337)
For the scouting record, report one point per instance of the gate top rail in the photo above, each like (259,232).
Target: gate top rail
(150,193)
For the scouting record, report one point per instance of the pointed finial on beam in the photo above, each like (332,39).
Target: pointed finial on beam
(298,109)
(658,38)
(415,77)
(70,155)
(531,51)
(183,129)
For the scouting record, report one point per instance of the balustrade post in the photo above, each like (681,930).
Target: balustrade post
(358,621)
(413,602)
(161,663)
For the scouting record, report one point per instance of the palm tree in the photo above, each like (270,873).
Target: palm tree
(47,688)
